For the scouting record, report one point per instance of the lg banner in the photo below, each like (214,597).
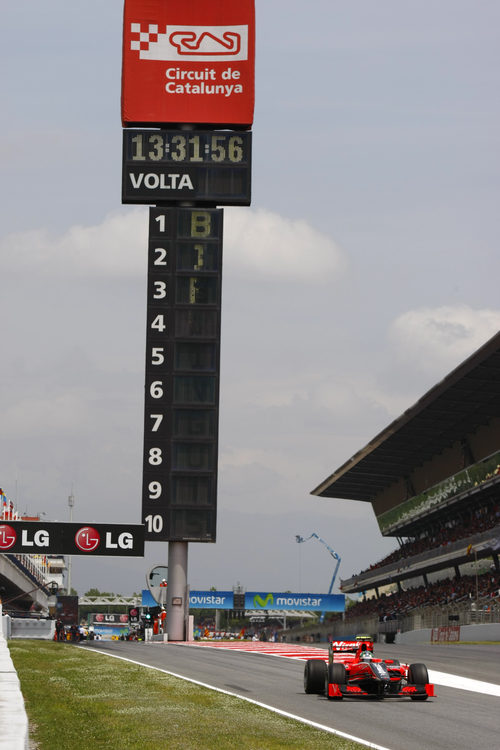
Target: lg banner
(33,538)
(188,62)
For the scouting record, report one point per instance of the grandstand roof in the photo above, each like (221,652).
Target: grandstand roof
(464,400)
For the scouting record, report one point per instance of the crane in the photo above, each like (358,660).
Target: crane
(336,557)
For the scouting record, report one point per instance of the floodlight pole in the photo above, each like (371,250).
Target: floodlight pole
(299,539)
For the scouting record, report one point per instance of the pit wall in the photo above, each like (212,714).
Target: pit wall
(14,733)
(22,627)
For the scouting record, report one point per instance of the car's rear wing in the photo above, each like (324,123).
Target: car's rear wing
(351,647)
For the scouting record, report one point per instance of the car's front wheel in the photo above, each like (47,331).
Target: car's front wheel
(418,675)
(314,676)
(336,675)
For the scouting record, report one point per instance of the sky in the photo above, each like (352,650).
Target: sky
(365,270)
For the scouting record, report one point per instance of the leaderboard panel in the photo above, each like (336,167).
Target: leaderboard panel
(179,498)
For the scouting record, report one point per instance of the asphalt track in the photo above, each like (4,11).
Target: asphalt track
(456,719)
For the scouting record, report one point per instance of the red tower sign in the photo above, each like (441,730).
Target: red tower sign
(188,62)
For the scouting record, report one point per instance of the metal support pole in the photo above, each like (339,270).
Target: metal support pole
(71,504)
(477,582)
(177,590)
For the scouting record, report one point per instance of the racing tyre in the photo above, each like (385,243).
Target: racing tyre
(314,676)
(418,675)
(336,674)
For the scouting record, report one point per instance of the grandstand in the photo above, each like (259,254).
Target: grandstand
(433,479)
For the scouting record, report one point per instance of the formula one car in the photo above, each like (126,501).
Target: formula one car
(353,671)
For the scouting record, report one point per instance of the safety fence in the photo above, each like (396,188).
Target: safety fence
(482,612)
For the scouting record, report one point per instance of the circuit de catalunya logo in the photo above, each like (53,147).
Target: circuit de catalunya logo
(7,537)
(191,43)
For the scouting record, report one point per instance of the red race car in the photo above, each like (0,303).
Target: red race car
(353,671)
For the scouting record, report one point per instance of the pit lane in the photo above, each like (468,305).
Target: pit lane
(455,719)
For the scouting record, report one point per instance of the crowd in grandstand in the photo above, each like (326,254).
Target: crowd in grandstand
(442,593)
(474,521)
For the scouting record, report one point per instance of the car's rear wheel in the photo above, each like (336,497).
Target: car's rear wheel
(335,675)
(418,675)
(314,676)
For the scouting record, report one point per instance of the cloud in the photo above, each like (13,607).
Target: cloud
(436,340)
(47,416)
(263,244)
(116,247)
(258,244)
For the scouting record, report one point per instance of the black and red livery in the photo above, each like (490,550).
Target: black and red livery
(353,671)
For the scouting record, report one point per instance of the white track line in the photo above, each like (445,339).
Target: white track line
(244,698)
(463,683)
(292,652)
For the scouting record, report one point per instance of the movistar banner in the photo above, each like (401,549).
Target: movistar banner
(268,600)
(260,600)
(211,599)
(320,602)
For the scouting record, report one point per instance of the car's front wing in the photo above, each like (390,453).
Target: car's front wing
(354,691)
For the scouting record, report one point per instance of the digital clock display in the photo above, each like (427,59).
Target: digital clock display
(188,146)
(167,166)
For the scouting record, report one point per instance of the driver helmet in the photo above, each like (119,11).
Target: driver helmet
(366,655)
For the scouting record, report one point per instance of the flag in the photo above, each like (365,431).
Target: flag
(4,506)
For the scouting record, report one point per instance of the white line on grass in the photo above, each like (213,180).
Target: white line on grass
(243,698)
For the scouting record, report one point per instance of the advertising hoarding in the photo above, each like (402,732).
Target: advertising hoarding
(211,599)
(188,62)
(264,600)
(39,538)
(440,494)
(109,626)
(298,602)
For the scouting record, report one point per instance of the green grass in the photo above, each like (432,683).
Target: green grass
(81,699)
